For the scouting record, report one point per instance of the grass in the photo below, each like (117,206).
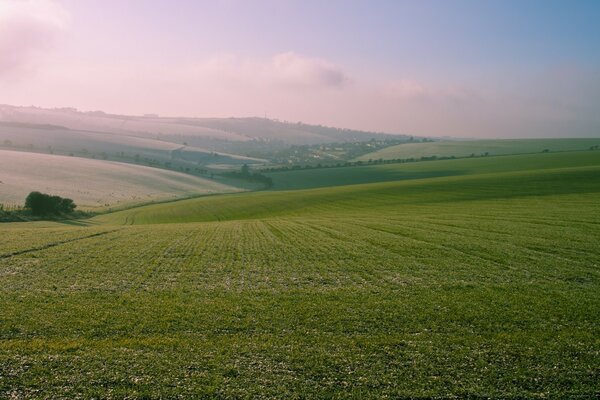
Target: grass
(479,147)
(474,285)
(327,177)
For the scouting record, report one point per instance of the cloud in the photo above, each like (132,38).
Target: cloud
(412,90)
(406,89)
(27,29)
(289,70)
(295,70)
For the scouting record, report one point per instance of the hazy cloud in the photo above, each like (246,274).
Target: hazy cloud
(293,69)
(27,28)
(412,90)
(285,69)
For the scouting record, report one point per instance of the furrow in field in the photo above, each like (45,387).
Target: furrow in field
(408,232)
(566,236)
(532,260)
(54,244)
(574,243)
(353,264)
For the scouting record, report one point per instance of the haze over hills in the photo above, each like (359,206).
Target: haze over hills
(202,131)
(62,140)
(182,144)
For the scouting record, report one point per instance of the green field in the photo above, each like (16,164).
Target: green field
(480,282)
(479,147)
(326,177)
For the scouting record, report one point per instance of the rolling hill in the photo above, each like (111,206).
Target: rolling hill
(95,184)
(338,176)
(478,284)
(420,183)
(203,131)
(465,148)
(120,147)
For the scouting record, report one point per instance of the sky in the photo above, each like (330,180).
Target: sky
(480,69)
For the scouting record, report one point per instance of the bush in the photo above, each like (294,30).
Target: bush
(245,173)
(44,204)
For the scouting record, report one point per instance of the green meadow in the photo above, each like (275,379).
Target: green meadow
(467,278)
(465,148)
(336,176)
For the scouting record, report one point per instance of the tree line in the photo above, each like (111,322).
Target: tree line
(44,204)
(247,175)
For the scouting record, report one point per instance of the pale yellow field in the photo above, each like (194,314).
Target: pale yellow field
(95,184)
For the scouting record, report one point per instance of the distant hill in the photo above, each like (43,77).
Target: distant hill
(56,139)
(197,131)
(465,148)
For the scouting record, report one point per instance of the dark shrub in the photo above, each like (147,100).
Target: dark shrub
(44,204)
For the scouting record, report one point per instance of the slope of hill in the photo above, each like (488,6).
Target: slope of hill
(471,286)
(188,129)
(323,177)
(95,184)
(62,140)
(520,176)
(478,147)
(109,123)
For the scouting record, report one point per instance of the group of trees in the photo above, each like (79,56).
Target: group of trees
(247,175)
(44,204)
(361,163)
(326,153)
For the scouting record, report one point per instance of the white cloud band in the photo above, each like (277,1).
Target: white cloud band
(27,28)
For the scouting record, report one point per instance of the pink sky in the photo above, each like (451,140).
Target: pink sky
(396,66)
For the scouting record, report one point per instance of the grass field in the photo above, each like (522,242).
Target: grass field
(481,284)
(326,177)
(95,184)
(479,147)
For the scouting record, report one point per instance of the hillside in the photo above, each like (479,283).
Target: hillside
(203,132)
(118,147)
(477,284)
(478,147)
(324,177)
(95,184)
(423,183)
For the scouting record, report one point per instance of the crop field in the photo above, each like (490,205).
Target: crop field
(483,284)
(95,184)
(326,177)
(479,147)
(86,143)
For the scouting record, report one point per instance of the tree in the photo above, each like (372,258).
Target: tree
(44,204)
(66,205)
(245,170)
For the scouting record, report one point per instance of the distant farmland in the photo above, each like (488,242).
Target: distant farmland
(338,176)
(95,184)
(112,146)
(466,148)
